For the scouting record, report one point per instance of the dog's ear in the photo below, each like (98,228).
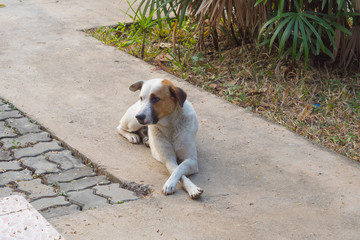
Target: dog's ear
(179,94)
(136,86)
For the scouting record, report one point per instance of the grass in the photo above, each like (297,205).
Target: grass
(320,104)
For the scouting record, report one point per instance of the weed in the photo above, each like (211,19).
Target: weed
(15,144)
(62,193)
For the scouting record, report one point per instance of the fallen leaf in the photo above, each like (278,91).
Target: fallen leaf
(213,85)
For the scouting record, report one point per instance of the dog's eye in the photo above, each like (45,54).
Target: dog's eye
(141,98)
(155,99)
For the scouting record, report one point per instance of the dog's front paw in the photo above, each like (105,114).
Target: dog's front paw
(133,138)
(169,187)
(145,141)
(196,193)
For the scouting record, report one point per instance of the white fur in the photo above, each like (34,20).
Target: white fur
(171,140)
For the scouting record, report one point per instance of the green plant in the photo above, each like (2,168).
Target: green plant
(142,26)
(306,29)
(62,193)
(165,8)
(15,144)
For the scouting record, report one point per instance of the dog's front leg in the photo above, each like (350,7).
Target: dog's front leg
(179,172)
(163,151)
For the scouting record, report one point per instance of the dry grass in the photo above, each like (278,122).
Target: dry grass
(319,104)
(316,104)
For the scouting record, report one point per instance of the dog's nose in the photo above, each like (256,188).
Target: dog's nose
(140,118)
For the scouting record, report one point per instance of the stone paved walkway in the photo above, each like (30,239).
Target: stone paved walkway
(39,168)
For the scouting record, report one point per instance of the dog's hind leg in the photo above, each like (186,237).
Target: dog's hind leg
(129,126)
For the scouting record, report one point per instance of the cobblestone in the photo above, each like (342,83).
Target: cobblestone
(45,203)
(6,131)
(70,175)
(10,166)
(40,165)
(5,155)
(83,183)
(6,191)
(59,211)
(23,125)
(9,114)
(86,199)
(5,107)
(114,193)
(36,189)
(65,159)
(10,176)
(37,149)
(26,150)
(24,140)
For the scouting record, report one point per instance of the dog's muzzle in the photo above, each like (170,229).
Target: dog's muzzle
(141,118)
(147,116)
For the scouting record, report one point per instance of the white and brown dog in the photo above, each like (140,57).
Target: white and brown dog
(172,125)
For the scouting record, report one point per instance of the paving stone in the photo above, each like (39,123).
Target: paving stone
(10,166)
(114,193)
(10,176)
(5,155)
(65,159)
(69,175)
(6,191)
(82,183)
(44,203)
(59,211)
(37,149)
(25,140)
(23,125)
(5,107)
(6,131)
(36,189)
(40,165)
(87,199)
(9,114)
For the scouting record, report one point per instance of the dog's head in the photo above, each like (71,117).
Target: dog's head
(158,99)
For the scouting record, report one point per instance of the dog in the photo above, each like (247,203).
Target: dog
(172,125)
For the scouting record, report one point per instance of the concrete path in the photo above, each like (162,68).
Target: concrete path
(260,180)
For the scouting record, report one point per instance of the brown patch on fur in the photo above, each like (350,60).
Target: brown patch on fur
(167,103)
(177,92)
(166,82)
